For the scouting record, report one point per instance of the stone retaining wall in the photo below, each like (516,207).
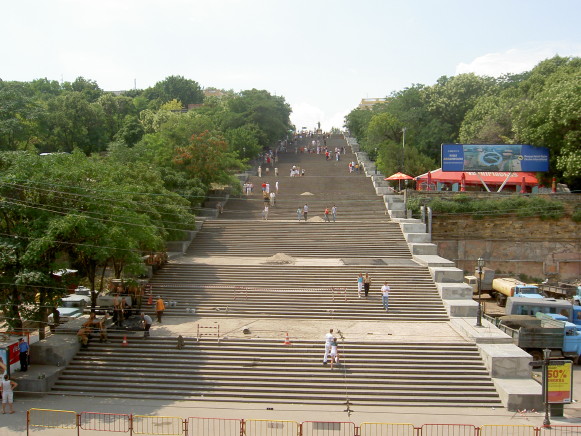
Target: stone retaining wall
(531,246)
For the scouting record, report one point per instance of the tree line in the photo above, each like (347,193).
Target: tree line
(93,180)
(540,107)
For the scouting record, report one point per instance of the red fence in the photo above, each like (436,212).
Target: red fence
(93,423)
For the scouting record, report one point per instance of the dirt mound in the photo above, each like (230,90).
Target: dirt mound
(281,259)
(307,193)
(316,219)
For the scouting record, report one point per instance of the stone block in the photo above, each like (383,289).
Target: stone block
(446,274)
(505,360)
(519,394)
(415,237)
(460,308)
(57,350)
(454,291)
(418,227)
(423,248)
(433,261)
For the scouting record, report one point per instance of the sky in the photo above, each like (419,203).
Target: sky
(322,56)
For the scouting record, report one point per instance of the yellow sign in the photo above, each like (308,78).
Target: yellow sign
(560,381)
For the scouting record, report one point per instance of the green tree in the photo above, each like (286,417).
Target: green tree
(176,88)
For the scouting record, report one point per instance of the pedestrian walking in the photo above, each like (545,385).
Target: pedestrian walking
(328,340)
(259,171)
(359,284)
(385,296)
(103,337)
(276,171)
(24,350)
(265,212)
(159,308)
(366,283)
(305,211)
(8,387)
(334,213)
(327,215)
(146,322)
(276,186)
(299,213)
(334,353)
(272,198)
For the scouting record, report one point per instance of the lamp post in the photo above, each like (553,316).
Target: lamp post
(546,361)
(375,160)
(479,311)
(403,150)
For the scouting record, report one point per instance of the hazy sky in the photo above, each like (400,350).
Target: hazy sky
(322,56)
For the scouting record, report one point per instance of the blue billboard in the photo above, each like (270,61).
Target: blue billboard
(491,157)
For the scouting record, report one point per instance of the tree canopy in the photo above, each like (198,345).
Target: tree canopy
(541,107)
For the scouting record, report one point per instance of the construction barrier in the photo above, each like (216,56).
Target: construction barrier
(208,331)
(49,418)
(383,429)
(158,425)
(265,427)
(214,427)
(560,430)
(507,430)
(447,430)
(60,420)
(112,422)
(322,428)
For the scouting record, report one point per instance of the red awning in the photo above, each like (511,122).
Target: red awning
(471,178)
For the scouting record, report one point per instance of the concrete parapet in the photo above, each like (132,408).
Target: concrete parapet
(519,394)
(415,237)
(413,227)
(395,214)
(446,274)
(460,308)
(506,360)
(382,190)
(57,350)
(38,378)
(423,248)
(454,291)
(433,261)
(487,334)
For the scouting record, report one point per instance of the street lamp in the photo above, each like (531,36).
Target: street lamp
(375,160)
(403,150)
(479,311)
(546,362)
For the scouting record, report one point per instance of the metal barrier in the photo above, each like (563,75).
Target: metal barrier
(49,418)
(212,331)
(158,425)
(508,430)
(112,422)
(560,430)
(447,430)
(265,427)
(196,426)
(214,427)
(327,428)
(384,429)
(339,291)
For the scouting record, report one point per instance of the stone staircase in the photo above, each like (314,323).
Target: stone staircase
(396,374)
(228,273)
(299,292)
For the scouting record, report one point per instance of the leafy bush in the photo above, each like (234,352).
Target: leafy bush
(481,208)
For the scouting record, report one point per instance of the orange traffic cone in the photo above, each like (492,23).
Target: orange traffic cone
(124,341)
(287,340)
(150,299)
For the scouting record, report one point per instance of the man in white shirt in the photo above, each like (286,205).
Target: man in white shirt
(305,211)
(328,342)
(385,295)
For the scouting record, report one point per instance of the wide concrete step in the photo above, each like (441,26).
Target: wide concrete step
(411,374)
